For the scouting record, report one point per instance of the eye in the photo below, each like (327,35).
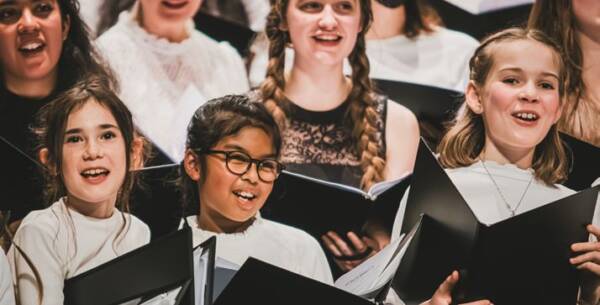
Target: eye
(9,15)
(73,139)
(108,135)
(510,80)
(344,7)
(238,157)
(43,9)
(547,85)
(311,7)
(269,165)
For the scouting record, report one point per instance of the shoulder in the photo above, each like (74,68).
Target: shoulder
(220,50)
(117,37)
(138,230)
(455,39)
(400,117)
(46,221)
(290,235)
(564,191)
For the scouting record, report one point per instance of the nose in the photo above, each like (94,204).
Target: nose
(92,151)
(328,20)
(28,22)
(529,93)
(251,175)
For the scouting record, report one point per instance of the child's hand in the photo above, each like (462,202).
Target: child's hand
(348,257)
(588,260)
(442,295)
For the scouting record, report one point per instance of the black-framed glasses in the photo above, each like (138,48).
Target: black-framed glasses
(239,163)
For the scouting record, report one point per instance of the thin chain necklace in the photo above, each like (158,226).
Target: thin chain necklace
(510,209)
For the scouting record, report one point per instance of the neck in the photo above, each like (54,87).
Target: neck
(100,210)
(173,32)
(215,222)
(590,48)
(522,158)
(387,22)
(38,88)
(329,87)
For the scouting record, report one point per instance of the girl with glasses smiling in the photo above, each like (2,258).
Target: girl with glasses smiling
(228,170)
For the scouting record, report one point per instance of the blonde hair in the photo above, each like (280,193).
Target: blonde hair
(464,141)
(361,116)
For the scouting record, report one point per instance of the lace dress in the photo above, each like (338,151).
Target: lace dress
(163,82)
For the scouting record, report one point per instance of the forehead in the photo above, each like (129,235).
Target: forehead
(526,54)
(253,140)
(91,113)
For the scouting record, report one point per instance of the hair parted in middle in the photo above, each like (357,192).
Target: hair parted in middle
(361,116)
(463,142)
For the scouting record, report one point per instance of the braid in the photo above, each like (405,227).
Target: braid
(364,117)
(272,87)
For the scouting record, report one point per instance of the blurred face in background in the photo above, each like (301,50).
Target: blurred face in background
(168,12)
(31,39)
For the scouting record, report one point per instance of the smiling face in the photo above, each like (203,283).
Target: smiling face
(519,100)
(31,39)
(94,156)
(226,197)
(169,11)
(324,31)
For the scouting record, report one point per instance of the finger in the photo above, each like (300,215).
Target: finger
(357,243)
(330,245)
(594,230)
(448,284)
(593,256)
(480,302)
(585,247)
(591,267)
(340,243)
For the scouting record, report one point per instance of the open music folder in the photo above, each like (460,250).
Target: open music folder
(520,260)
(157,273)
(317,206)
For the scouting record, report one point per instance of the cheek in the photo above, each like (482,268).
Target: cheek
(7,45)
(54,39)
(498,99)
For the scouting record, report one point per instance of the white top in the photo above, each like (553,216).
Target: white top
(154,75)
(439,59)
(480,193)
(483,6)
(63,243)
(89,11)
(7,295)
(257,11)
(271,242)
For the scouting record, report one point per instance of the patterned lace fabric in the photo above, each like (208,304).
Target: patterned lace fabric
(318,143)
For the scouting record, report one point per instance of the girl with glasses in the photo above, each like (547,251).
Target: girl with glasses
(228,170)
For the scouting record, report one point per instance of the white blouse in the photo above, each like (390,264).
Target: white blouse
(164,82)
(63,243)
(283,246)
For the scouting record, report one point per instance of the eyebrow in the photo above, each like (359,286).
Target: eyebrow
(102,126)
(521,70)
(237,147)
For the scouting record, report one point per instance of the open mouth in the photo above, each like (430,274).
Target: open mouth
(174,4)
(244,196)
(31,48)
(327,38)
(92,173)
(526,116)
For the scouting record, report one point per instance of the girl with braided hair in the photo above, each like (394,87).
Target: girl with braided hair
(334,127)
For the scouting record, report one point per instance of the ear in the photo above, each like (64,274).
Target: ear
(191,163)
(66,27)
(472,98)
(137,153)
(44,157)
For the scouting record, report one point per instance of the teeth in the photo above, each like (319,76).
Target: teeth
(94,172)
(31,46)
(526,116)
(245,195)
(328,37)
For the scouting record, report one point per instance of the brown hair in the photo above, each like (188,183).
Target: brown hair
(52,122)
(215,120)
(420,17)
(464,141)
(361,116)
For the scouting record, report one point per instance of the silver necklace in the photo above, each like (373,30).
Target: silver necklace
(510,209)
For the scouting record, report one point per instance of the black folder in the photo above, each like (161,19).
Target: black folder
(480,25)
(433,106)
(318,206)
(521,260)
(155,199)
(21,181)
(585,164)
(258,282)
(220,29)
(156,268)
